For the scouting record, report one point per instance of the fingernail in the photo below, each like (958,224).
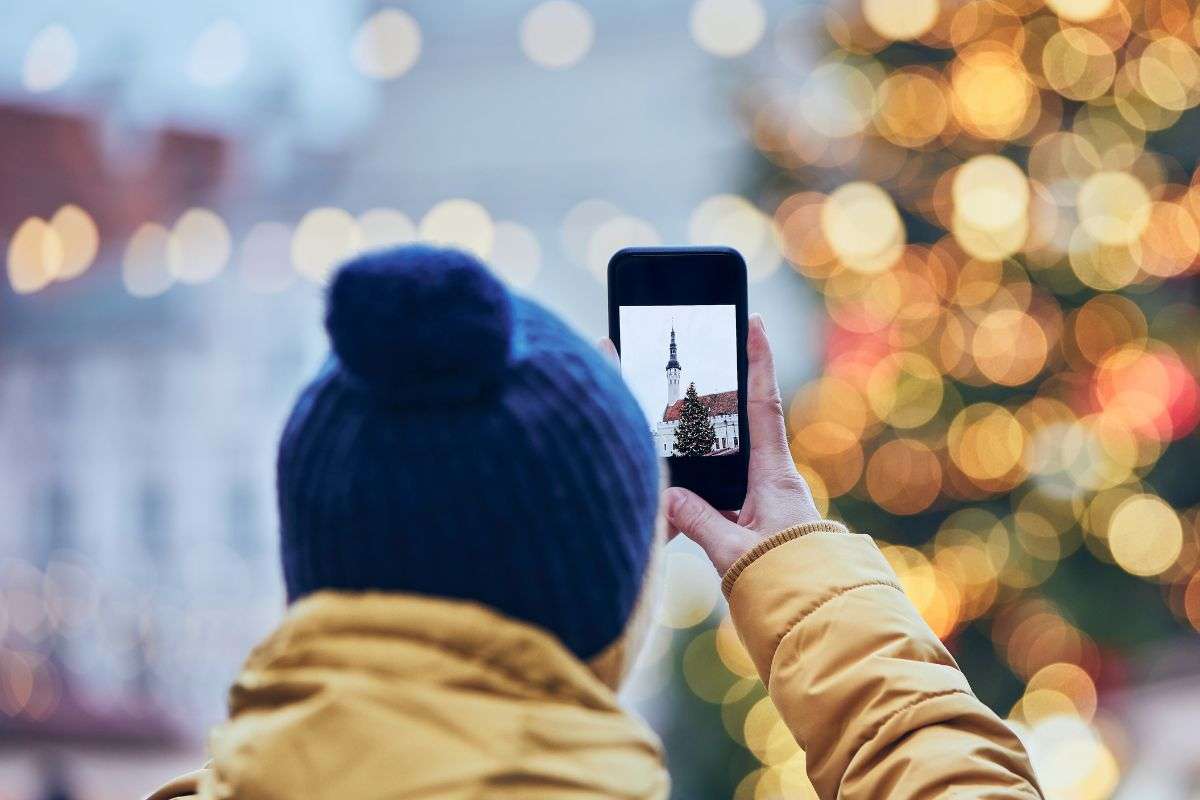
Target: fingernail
(671,501)
(762,326)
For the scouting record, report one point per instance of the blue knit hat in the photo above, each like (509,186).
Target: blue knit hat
(463,442)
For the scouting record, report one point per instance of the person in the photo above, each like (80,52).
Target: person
(471,509)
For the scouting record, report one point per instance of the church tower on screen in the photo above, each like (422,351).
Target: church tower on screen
(673,370)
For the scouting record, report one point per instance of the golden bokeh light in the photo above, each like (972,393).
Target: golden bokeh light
(1080,10)
(1170,244)
(689,595)
(991,206)
(323,239)
(900,19)
(732,652)
(79,239)
(912,109)
(1078,64)
(386,45)
(990,192)
(1168,72)
(986,442)
(903,476)
(837,100)
(992,95)
(727,28)
(1114,208)
(557,34)
(199,247)
(832,451)
(144,266)
(997,353)
(703,671)
(862,226)
(385,227)
(766,736)
(459,223)
(903,389)
(1145,535)
(1135,106)
(1104,323)
(1070,681)
(832,398)
(613,234)
(35,256)
(733,221)
(798,220)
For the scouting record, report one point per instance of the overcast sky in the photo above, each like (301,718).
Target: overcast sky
(706,341)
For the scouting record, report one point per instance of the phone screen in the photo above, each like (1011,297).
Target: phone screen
(677,316)
(681,364)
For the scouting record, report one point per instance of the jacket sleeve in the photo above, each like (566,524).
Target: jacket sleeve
(870,693)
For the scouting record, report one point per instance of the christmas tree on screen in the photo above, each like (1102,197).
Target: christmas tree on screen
(695,435)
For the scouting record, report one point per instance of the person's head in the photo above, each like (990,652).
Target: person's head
(462,442)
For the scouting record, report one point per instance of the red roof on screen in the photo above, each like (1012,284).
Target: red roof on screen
(716,404)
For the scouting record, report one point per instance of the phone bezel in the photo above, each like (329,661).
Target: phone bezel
(638,276)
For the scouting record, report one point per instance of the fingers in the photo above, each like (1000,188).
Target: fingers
(606,347)
(723,541)
(768,433)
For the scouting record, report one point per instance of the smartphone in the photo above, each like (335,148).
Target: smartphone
(677,316)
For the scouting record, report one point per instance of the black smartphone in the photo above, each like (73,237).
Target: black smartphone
(677,316)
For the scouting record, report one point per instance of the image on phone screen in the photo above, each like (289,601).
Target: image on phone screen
(681,363)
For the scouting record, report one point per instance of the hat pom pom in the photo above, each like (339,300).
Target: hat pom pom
(419,324)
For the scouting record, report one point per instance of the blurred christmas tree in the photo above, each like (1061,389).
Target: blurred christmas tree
(999,205)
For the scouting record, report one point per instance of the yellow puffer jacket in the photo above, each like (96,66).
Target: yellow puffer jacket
(357,697)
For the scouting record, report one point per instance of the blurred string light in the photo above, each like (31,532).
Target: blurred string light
(50,59)
(460,223)
(594,229)
(199,246)
(327,236)
(557,34)
(144,266)
(79,239)
(688,598)
(324,238)
(385,227)
(35,255)
(728,28)
(386,45)
(580,222)
(41,252)
(733,221)
(900,20)
(218,55)
(613,234)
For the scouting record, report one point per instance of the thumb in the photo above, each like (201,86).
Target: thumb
(723,541)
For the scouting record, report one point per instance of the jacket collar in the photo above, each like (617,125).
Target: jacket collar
(363,678)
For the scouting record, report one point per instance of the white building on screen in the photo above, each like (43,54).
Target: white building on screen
(722,409)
